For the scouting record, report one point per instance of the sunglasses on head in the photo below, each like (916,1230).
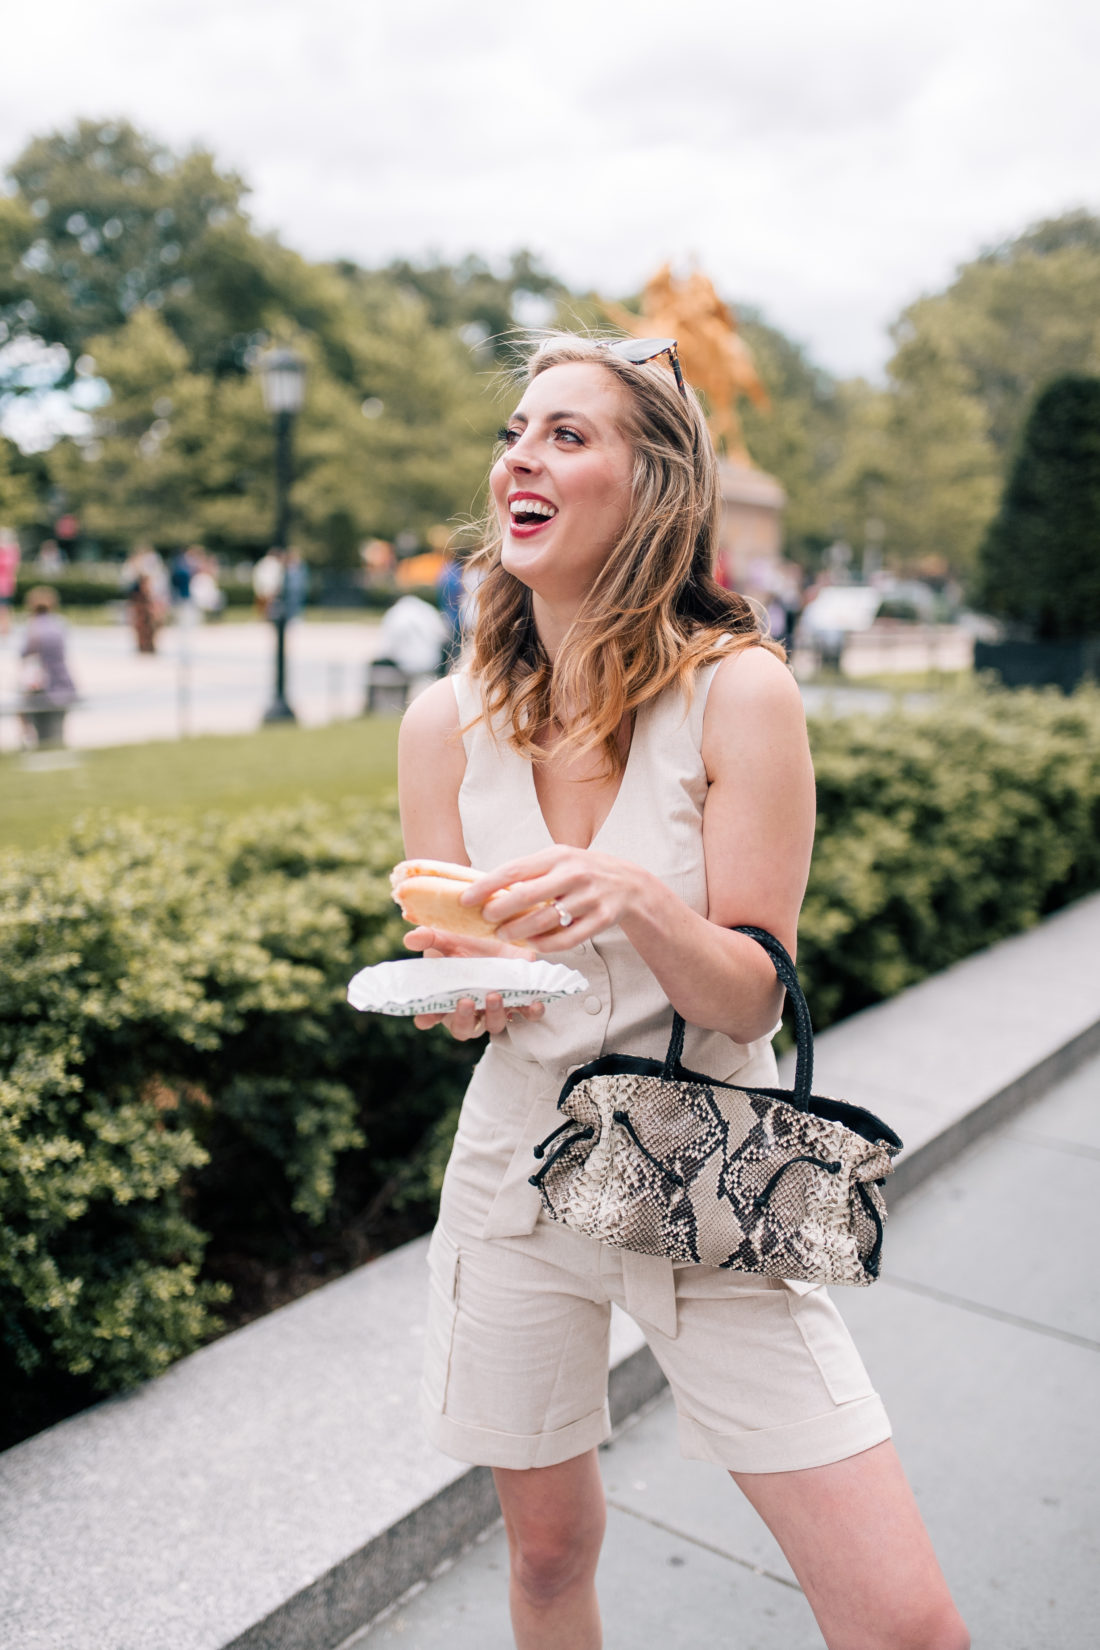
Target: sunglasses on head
(641,350)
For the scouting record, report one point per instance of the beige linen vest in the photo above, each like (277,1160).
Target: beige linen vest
(656,821)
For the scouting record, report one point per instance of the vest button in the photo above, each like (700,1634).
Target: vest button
(592,1005)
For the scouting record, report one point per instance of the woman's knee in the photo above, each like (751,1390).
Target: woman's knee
(546,1564)
(555,1522)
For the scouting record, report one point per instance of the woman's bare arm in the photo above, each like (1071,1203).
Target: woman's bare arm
(758,828)
(431,763)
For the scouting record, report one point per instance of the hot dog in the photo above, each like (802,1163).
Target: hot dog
(427,890)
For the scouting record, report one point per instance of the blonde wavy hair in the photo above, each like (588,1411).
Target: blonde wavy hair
(655,612)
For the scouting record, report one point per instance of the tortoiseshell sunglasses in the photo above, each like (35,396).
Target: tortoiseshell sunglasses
(641,350)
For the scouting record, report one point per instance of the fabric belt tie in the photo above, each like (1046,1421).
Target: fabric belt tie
(649,1290)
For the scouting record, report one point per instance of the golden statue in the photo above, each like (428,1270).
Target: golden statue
(715,358)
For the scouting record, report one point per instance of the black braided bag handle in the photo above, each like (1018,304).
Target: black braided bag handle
(803,1026)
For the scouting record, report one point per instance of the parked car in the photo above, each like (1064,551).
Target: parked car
(841,609)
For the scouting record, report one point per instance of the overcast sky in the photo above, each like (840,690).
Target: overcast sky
(824,162)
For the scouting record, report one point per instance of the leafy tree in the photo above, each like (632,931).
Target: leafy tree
(1040,560)
(928,455)
(177,455)
(799,438)
(114,250)
(1013,319)
(17,500)
(916,469)
(105,220)
(469,297)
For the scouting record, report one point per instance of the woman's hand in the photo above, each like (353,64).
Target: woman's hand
(466,1020)
(596,891)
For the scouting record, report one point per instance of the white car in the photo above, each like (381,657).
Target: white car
(840,609)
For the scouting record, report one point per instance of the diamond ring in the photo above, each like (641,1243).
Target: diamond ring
(564,917)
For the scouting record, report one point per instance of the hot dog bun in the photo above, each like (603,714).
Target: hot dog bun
(427,890)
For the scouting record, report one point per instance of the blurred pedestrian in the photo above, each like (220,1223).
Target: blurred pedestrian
(206,593)
(9,570)
(267,581)
(145,586)
(378,563)
(295,584)
(450,589)
(49,558)
(47,689)
(414,636)
(185,564)
(143,614)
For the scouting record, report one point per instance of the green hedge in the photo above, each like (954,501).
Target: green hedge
(181,1078)
(179,1068)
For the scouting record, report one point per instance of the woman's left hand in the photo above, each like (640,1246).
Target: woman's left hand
(529,898)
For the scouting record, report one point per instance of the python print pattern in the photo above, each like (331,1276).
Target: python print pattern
(719,1175)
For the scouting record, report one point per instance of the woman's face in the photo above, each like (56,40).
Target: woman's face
(562,485)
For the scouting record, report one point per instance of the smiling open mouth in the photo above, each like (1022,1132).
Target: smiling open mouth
(530,512)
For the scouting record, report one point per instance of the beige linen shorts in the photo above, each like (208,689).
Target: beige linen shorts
(764,1373)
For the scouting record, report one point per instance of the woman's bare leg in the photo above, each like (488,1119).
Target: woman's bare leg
(555,1518)
(856,1542)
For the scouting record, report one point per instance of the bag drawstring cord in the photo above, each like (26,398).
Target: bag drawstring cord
(540,1149)
(761,1198)
(868,1202)
(566,1145)
(624,1118)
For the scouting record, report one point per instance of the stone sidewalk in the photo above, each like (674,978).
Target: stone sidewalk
(984,1338)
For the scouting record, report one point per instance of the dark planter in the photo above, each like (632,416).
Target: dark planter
(1041,664)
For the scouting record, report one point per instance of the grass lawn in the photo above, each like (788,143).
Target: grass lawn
(227,774)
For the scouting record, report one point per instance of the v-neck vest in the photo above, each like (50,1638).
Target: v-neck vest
(656,821)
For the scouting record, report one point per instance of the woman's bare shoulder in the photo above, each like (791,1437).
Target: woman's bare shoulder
(432,717)
(757,679)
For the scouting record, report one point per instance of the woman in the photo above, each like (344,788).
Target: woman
(626,757)
(48,689)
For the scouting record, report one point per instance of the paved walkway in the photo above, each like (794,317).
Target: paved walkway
(984,1338)
(216,678)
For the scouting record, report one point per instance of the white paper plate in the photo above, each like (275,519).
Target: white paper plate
(434,985)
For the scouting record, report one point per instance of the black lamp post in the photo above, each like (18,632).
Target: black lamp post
(283,380)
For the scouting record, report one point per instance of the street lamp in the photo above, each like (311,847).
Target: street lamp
(283,381)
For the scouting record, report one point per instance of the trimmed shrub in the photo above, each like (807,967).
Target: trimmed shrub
(179,1066)
(941,832)
(1040,560)
(182,1080)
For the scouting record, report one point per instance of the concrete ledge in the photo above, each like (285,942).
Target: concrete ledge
(274,1491)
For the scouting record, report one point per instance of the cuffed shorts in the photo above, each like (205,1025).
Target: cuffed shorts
(764,1374)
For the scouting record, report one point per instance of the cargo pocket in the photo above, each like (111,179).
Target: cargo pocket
(828,1341)
(444,1264)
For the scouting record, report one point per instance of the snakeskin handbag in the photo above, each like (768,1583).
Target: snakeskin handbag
(663,1160)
